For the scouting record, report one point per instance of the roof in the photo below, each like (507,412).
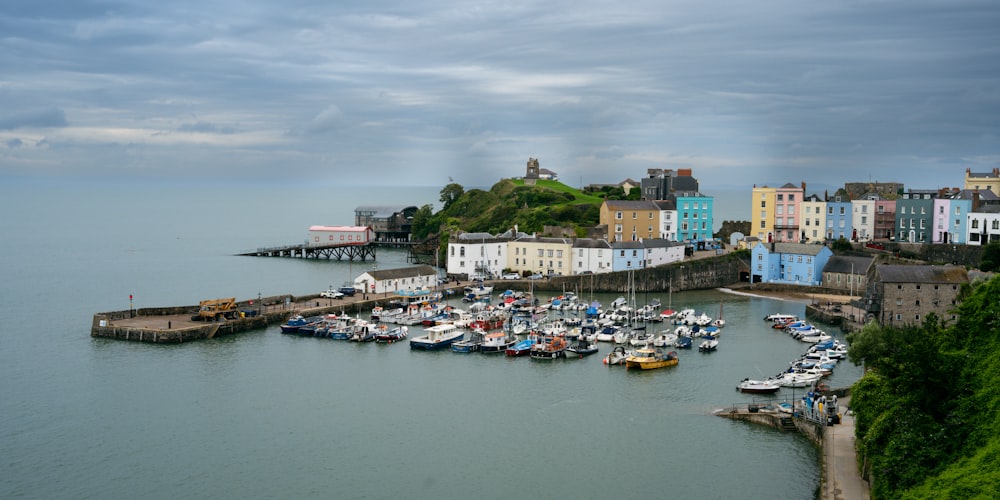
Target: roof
(921,274)
(848,264)
(665,204)
(689,194)
(403,272)
(533,239)
(546,171)
(627,244)
(357,229)
(631,205)
(967,194)
(661,243)
(794,248)
(987,209)
(591,243)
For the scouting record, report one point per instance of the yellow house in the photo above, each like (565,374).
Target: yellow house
(546,256)
(983,180)
(762,212)
(631,220)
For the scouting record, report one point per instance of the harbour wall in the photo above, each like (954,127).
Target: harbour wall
(699,274)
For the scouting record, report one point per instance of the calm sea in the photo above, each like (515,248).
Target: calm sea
(266,415)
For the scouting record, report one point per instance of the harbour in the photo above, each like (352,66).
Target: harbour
(263,414)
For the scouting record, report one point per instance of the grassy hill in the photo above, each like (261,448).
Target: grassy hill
(510,202)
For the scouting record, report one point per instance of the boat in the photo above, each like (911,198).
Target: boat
(437,337)
(719,322)
(522,347)
(494,342)
(797,379)
(650,358)
(616,356)
(758,386)
(296,322)
(388,335)
(780,317)
(684,342)
(709,344)
(479,293)
(472,342)
(549,348)
(665,339)
(581,347)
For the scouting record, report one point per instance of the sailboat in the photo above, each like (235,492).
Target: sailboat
(719,322)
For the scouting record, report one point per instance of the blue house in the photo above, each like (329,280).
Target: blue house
(838,219)
(627,255)
(694,216)
(789,263)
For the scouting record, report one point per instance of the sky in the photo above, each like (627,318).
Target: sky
(430,92)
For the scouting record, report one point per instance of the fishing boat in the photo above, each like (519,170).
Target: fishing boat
(472,342)
(549,348)
(758,386)
(581,346)
(521,348)
(437,337)
(650,358)
(388,335)
(499,341)
(296,322)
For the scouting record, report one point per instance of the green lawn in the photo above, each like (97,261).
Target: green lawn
(580,196)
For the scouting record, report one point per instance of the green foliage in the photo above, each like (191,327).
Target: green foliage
(927,411)
(509,203)
(990,260)
(842,245)
(422,222)
(451,193)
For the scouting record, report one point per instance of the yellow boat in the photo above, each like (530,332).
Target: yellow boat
(649,358)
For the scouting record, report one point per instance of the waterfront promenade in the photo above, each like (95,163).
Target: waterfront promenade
(842,481)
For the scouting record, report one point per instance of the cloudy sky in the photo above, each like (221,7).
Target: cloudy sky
(417,92)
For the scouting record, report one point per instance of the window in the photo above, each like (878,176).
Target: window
(618,215)
(559,253)
(763,224)
(461,252)
(940,209)
(781,197)
(780,210)
(550,253)
(635,215)
(791,209)
(763,204)
(841,210)
(996,224)
(541,252)
(829,210)
(791,197)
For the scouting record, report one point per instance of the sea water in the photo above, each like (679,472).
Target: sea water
(267,415)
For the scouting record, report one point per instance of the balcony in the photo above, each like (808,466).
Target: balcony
(779,227)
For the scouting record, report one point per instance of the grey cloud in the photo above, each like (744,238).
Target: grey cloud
(38,118)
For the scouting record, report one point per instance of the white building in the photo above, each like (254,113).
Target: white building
(477,254)
(394,280)
(863,218)
(983,225)
(660,252)
(668,220)
(548,256)
(591,256)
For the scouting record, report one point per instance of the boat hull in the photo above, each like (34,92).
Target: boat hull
(650,365)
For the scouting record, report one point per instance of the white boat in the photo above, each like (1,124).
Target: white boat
(776,317)
(797,379)
(758,386)
(437,337)
(708,345)
(665,339)
(617,356)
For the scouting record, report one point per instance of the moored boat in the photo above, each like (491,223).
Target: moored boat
(758,386)
(437,337)
(521,348)
(616,356)
(388,335)
(650,358)
(549,348)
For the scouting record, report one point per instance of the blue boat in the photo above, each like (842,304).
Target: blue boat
(295,323)
(522,348)
(683,342)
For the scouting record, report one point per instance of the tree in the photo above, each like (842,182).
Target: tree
(990,260)
(421,222)
(842,245)
(451,193)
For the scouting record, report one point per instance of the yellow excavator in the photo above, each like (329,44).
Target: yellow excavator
(209,310)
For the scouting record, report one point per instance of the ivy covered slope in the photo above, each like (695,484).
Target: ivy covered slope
(509,203)
(927,411)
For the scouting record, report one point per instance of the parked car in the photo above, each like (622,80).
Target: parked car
(535,276)
(347,290)
(511,276)
(331,294)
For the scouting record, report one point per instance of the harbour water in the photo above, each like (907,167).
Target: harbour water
(266,415)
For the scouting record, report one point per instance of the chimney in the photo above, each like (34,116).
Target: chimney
(996,172)
(975,200)
(968,171)
(803,187)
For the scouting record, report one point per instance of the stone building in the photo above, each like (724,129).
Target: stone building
(847,273)
(900,295)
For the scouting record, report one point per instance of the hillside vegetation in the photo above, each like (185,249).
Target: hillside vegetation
(507,204)
(927,411)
